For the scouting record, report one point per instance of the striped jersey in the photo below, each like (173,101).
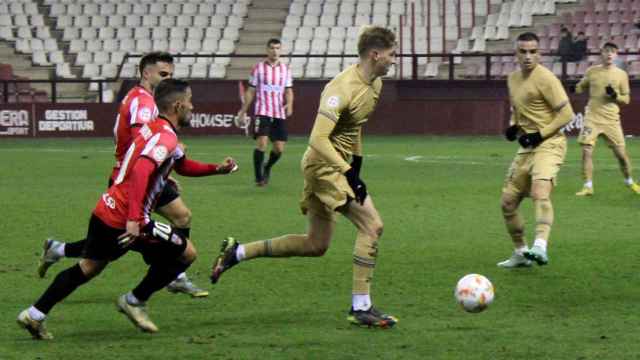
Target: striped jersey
(270,82)
(156,141)
(136,109)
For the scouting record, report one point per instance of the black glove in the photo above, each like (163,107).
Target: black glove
(356,163)
(512,132)
(612,93)
(357,185)
(530,140)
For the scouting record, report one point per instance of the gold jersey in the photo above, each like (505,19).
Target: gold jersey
(536,100)
(601,107)
(348,100)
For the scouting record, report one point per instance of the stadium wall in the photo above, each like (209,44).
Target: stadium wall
(405,107)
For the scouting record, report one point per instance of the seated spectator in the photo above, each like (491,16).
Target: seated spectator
(565,45)
(578,48)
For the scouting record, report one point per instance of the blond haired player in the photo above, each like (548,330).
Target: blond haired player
(540,108)
(608,88)
(331,168)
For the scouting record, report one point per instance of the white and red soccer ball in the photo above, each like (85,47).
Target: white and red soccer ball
(474,293)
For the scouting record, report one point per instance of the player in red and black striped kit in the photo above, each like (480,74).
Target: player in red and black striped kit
(121,220)
(137,109)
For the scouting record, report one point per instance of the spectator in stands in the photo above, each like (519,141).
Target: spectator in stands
(566,44)
(579,47)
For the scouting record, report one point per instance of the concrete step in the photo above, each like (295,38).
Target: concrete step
(257,15)
(237,74)
(251,49)
(263,27)
(243,63)
(271,4)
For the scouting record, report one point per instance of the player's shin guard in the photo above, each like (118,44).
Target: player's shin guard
(74,249)
(63,285)
(515,225)
(544,218)
(158,276)
(283,246)
(364,262)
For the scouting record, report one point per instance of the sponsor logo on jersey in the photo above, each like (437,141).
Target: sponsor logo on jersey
(159,153)
(333,102)
(109,201)
(145,114)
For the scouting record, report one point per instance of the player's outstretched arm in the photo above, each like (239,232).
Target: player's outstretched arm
(193,168)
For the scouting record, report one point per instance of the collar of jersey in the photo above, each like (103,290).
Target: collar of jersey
(266,61)
(361,75)
(143,89)
(169,122)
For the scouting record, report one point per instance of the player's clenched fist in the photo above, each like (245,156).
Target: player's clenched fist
(228,166)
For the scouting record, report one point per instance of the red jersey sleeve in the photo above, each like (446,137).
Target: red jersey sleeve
(139,180)
(193,168)
(142,110)
(160,147)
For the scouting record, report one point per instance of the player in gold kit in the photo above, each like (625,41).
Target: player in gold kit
(540,109)
(331,168)
(608,88)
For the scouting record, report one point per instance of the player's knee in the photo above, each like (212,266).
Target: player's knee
(91,268)
(540,195)
(508,205)
(318,250)
(374,229)
(316,246)
(182,218)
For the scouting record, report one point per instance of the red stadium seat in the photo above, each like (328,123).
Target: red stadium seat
(6,72)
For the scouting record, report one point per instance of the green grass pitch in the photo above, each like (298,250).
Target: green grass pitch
(439,199)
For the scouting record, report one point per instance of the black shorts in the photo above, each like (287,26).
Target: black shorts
(168,194)
(275,128)
(102,244)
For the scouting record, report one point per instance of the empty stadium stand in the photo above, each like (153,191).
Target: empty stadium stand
(88,39)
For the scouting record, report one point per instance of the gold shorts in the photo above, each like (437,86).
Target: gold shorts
(612,133)
(541,164)
(325,190)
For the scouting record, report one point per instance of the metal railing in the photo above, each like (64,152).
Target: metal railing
(448,59)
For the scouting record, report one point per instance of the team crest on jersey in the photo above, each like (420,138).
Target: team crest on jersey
(159,153)
(333,101)
(145,114)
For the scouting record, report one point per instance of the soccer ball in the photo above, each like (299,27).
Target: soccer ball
(474,293)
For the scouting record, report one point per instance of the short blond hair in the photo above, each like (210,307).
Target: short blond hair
(375,37)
